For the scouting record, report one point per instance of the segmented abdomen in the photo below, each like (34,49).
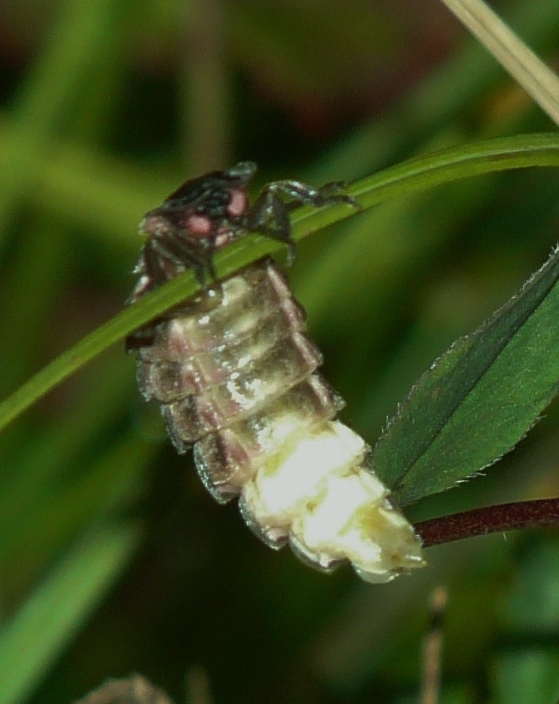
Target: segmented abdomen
(235,373)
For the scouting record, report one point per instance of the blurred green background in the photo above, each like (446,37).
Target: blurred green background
(113,559)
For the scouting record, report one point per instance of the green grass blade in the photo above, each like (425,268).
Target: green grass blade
(41,629)
(444,94)
(410,177)
(480,398)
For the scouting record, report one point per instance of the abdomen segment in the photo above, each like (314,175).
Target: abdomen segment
(236,376)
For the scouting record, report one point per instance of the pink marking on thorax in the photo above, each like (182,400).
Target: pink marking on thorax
(198,225)
(238,202)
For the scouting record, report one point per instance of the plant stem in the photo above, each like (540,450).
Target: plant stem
(490,519)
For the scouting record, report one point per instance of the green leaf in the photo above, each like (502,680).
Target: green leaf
(32,641)
(480,398)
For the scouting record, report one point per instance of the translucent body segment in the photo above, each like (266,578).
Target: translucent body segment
(242,393)
(244,303)
(167,381)
(236,376)
(227,459)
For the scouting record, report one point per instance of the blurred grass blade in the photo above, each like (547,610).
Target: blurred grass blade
(32,641)
(480,398)
(409,177)
(441,97)
(537,79)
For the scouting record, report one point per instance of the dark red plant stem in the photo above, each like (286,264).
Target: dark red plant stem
(491,519)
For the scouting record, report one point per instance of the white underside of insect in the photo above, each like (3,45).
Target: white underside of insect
(235,374)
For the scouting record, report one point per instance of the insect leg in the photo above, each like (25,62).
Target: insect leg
(303,194)
(270,217)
